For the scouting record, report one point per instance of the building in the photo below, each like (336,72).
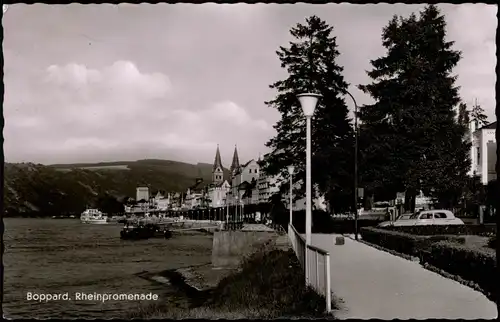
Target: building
(244,180)
(484,152)
(195,195)
(162,204)
(218,170)
(159,195)
(217,194)
(161,201)
(217,191)
(142,193)
(267,186)
(175,200)
(249,192)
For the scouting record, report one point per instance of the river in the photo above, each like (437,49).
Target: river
(58,256)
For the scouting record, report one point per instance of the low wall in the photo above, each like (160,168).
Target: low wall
(195,224)
(229,247)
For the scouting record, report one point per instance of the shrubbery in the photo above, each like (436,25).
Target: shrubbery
(448,253)
(394,240)
(271,281)
(472,264)
(481,230)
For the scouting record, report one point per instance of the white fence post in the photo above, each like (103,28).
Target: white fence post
(317,271)
(303,253)
(327,284)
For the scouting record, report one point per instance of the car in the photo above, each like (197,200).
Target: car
(426,217)
(391,223)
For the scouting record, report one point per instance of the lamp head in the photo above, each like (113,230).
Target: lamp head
(308,102)
(291,169)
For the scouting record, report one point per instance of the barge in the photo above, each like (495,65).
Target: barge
(144,231)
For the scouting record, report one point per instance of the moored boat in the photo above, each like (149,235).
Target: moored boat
(141,231)
(93,216)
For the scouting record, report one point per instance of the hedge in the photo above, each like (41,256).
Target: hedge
(482,230)
(472,264)
(394,240)
(443,252)
(405,243)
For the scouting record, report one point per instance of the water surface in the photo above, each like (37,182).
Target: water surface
(55,256)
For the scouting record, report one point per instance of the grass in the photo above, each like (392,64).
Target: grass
(481,243)
(268,285)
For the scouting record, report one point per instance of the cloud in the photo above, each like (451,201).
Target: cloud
(173,80)
(476,69)
(83,111)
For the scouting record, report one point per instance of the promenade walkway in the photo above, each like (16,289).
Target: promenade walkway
(375,284)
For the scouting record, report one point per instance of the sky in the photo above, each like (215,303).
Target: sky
(92,83)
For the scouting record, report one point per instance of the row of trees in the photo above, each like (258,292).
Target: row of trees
(410,139)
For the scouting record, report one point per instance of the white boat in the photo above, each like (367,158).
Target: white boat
(93,216)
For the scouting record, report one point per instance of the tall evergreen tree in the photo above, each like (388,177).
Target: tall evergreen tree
(477,116)
(463,115)
(412,129)
(311,66)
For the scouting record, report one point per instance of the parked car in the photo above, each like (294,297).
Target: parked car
(425,217)
(391,223)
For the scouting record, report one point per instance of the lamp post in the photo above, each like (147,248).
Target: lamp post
(355,164)
(291,168)
(308,103)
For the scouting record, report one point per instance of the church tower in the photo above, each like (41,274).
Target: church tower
(217,171)
(235,165)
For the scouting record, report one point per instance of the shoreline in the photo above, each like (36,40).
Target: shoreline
(266,285)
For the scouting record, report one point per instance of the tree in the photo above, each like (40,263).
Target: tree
(311,66)
(278,211)
(463,115)
(109,204)
(411,137)
(477,116)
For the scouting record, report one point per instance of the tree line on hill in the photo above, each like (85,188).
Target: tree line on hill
(39,190)
(414,137)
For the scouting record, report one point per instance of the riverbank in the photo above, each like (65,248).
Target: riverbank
(268,284)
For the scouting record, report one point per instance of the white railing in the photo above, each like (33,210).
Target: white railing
(318,264)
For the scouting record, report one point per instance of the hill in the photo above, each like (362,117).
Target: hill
(44,190)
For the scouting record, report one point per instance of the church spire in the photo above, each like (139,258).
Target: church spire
(217,162)
(217,171)
(235,165)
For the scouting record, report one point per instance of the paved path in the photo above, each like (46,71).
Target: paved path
(376,284)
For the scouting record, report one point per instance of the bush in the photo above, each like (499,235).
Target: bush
(472,264)
(394,240)
(403,242)
(481,230)
(271,281)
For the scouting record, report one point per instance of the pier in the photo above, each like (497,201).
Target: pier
(227,218)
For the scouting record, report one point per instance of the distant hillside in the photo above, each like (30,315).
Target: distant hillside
(68,188)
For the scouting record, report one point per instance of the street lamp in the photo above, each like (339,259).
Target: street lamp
(308,103)
(291,168)
(355,164)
